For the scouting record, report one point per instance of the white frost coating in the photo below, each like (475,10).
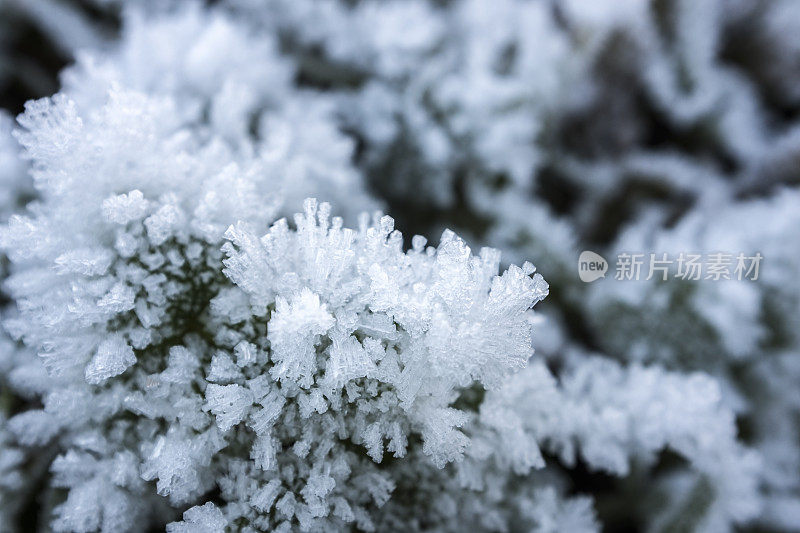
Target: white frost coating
(124,208)
(294,331)
(321,378)
(200,519)
(113,357)
(230,404)
(447,320)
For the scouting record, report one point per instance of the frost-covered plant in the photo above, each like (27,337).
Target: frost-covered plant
(671,113)
(612,416)
(281,370)
(743,332)
(230,86)
(15,190)
(320,350)
(179,350)
(158,362)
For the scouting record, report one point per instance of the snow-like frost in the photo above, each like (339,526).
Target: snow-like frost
(178,342)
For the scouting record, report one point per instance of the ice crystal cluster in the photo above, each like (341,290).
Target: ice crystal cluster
(209,323)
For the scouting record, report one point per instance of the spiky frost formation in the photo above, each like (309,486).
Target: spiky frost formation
(113,265)
(167,378)
(640,124)
(368,347)
(284,393)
